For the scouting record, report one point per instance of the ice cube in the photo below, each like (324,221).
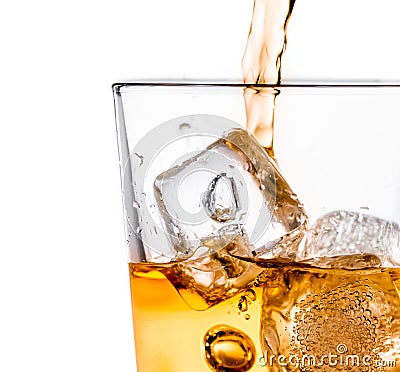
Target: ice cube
(315,312)
(210,279)
(346,233)
(233,185)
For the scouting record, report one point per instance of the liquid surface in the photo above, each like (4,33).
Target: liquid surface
(288,310)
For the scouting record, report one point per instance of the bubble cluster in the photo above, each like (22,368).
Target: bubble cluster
(227,349)
(355,317)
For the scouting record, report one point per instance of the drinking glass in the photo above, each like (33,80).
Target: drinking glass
(307,277)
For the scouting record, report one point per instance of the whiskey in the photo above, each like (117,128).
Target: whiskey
(261,64)
(293,311)
(171,336)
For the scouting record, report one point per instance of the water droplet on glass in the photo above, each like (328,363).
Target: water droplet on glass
(228,349)
(184,126)
(247,316)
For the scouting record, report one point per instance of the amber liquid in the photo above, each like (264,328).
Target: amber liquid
(261,64)
(313,313)
(169,334)
(303,306)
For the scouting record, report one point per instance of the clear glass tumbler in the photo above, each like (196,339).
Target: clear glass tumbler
(240,260)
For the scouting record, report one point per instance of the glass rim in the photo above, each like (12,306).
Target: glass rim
(325,84)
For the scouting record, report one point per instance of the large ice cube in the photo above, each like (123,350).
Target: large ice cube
(346,233)
(314,313)
(231,187)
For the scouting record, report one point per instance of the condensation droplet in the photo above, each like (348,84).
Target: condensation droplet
(227,349)
(247,316)
(184,126)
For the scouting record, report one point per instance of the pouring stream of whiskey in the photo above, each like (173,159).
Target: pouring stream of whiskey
(261,64)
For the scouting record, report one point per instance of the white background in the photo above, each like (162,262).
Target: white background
(64,281)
